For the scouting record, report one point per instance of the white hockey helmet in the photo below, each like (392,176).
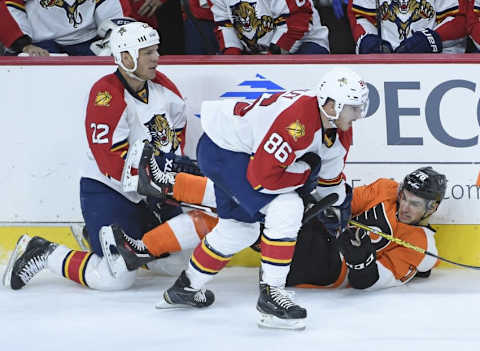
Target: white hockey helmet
(132,37)
(345,87)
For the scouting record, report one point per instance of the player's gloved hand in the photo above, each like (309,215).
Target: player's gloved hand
(372,44)
(315,163)
(422,41)
(337,6)
(360,257)
(274,49)
(335,218)
(170,162)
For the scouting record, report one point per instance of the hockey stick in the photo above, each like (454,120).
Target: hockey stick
(379,25)
(408,245)
(312,212)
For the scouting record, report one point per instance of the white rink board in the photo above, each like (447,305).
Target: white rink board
(42,109)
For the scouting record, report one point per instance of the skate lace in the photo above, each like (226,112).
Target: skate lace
(136,244)
(282,297)
(33,266)
(199,295)
(160,176)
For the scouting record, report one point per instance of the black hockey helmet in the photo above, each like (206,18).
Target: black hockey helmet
(426,183)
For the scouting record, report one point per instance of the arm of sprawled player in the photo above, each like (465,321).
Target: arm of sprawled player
(228,41)
(399,264)
(107,129)
(291,21)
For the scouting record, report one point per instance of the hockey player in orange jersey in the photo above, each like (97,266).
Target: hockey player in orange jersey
(364,260)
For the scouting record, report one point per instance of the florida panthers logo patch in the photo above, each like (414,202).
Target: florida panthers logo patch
(248,26)
(73,14)
(162,135)
(296,130)
(103,98)
(405,12)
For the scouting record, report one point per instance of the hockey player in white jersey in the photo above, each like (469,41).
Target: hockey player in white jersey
(269,26)
(135,103)
(404,26)
(263,158)
(61,27)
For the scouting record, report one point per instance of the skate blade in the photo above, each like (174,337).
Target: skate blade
(128,180)
(17,252)
(271,322)
(115,262)
(164,305)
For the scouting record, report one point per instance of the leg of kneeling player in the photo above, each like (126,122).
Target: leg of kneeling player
(194,189)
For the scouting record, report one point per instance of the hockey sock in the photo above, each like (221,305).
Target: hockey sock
(277,255)
(204,264)
(70,264)
(189,188)
(179,233)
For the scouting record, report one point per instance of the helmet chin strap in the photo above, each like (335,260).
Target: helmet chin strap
(130,71)
(330,119)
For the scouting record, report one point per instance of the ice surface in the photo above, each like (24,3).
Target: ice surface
(51,313)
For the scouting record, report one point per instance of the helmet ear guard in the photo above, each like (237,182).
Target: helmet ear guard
(132,37)
(345,87)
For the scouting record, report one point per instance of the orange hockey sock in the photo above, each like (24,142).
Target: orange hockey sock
(189,188)
(161,240)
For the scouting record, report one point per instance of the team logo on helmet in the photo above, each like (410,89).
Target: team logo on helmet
(342,81)
(73,14)
(248,27)
(162,135)
(103,98)
(405,12)
(296,130)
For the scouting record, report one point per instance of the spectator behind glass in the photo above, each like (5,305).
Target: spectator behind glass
(333,15)
(57,27)
(473,23)
(166,17)
(199,28)
(422,27)
(275,27)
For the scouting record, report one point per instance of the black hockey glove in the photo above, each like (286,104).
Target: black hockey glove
(373,44)
(315,163)
(169,162)
(360,257)
(335,218)
(422,41)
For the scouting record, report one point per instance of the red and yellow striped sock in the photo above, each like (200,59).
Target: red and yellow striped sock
(75,264)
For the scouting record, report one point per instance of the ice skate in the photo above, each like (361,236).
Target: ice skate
(133,251)
(181,295)
(277,310)
(17,252)
(30,262)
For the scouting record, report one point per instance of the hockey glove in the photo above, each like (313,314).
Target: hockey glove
(170,162)
(360,257)
(335,218)
(315,163)
(372,44)
(423,41)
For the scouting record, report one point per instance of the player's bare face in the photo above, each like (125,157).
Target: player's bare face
(349,114)
(147,62)
(411,208)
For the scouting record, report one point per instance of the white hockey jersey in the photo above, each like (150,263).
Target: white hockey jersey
(117,117)
(276,130)
(67,24)
(400,18)
(252,25)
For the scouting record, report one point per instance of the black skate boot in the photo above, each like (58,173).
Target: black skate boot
(133,251)
(277,310)
(32,261)
(182,295)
